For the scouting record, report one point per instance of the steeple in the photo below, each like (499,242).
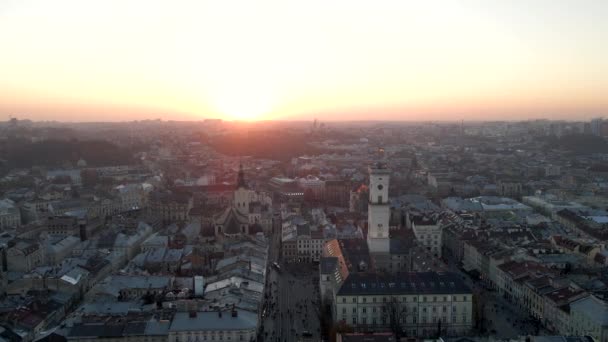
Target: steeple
(240,181)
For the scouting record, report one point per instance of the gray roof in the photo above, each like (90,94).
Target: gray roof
(211,321)
(592,307)
(137,328)
(403,283)
(328,265)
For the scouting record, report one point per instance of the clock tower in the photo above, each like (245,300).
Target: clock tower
(378,214)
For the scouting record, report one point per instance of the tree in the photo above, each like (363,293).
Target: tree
(339,328)
(395,314)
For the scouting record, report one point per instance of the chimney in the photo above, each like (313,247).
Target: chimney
(234,313)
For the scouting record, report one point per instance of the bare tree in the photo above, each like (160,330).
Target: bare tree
(396,315)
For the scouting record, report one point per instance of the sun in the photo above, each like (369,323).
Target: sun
(243,102)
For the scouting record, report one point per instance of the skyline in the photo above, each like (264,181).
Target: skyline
(284,60)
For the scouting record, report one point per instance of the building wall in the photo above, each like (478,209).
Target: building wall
(212,335)
(418,315)
(11,219)
(429,236)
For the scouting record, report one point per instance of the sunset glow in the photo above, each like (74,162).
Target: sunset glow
(282,59)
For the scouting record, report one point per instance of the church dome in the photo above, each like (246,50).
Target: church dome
(81,163)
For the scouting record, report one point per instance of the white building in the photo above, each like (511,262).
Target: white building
(549,204)
(378,210)
(589,316)
(10,216)
(301,243)
(235,325)
(416,301)
(428,232)
(378,216)
(132,196)
(313,185)
(552,170)
(310,245)
(24,256)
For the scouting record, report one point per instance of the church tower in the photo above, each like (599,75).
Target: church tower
(242,194)
(378,213)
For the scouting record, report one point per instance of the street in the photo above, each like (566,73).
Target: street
(501,318)
(290,309)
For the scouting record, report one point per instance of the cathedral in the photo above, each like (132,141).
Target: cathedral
(248,213)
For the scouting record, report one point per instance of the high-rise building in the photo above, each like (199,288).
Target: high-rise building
(596,126)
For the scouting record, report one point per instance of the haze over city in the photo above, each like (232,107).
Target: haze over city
(70,60)
(303,171)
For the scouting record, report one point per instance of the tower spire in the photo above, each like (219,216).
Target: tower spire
(240,181)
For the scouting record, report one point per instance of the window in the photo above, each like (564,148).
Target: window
(354,300)
(379,199)
(343,310)
(363,310)
(354,310)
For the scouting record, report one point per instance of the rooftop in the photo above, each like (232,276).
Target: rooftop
(403,283)
(214,320)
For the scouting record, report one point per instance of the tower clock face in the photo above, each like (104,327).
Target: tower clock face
(380,187)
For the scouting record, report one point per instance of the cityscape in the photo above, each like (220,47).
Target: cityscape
(304,171)
(159,230)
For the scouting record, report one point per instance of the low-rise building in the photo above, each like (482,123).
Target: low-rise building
(10,215)
(428,232)
(416,302)
(233,325)
(589,316)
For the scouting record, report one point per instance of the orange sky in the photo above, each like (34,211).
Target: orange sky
(76,60)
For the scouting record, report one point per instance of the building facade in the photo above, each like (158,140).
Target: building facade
(419,304)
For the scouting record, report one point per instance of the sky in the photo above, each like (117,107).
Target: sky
(122,60)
